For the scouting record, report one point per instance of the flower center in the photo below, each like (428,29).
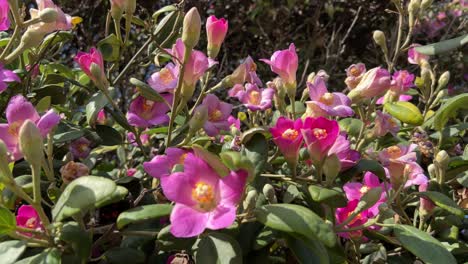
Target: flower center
(83,147)
(253,67)
(255,97)
(355,219)
(216,115)
(364,189)
(327,98)
(31,223)
(394,152)
(147,105)
(290,134)
(320,133)
(204,195)
(166,76)
(13,129)
(355,71)
(182,158)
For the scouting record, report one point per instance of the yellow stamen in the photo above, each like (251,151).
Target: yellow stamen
(165,76)
(394,152)
(327,98)
(216,115)
(355,71)
(320,133)
(290,134)
(76,20)
(364,189)
(255,98)
(204,195)
(13,129)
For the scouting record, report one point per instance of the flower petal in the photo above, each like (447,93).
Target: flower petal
(187,222)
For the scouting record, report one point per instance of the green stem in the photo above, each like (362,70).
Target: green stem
(202,93)
(175,102)
(127,67)
(117,30)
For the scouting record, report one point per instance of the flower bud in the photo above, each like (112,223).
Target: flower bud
(199,118)
(413,8)
(216,30)
(380,40)
(130,6)
(31,143)
(191,28)
(311,77)
(425,4)
(48,15)
(432,171)
(73,170)
(250,200)
(5,174)
(269,193)
(443,80)
(31,38)
(442,159)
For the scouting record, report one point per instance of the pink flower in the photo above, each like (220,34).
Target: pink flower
(415,57)
(80,148)
(284,63)
(355,190)
(196,65)
(416,175)
(345,154)
(354,75)
(165,80)
(4,21)
(256,99)
(343,213)
(143,137)
(162,165)
(131,172)
(27,217)
(63,21)
(245,72)
(375,82)
(145,113)
(426,206)
(216,30)
(203,199)
(218,114)
(326,104)
(101,117)
(402,81)
(234,122)
(17,112)
(385,123)
(86,60)
(319,134)
(288,137)
(7,76)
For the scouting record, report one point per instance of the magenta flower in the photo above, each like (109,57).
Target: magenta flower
(145,113)
(101,117)
(319,134)
(288,137)
(17,112)
(62,22)
(143,137)
(86,60)
(402,81)
(415,57)
(4,21)
(385,123)
(343,213)
(416,175)
(375,82)
(165,80)
(203,199)
(216,30)
(256,99)
(7,76)
(218,114)
(326,104)
(162,165)
(354,75)
(196,65)
(355,190)
(345,154)
(426,206)
(398,154)
(234,122)
(131,172)
(245,72)
(284,63)
(80,148)
(27,217)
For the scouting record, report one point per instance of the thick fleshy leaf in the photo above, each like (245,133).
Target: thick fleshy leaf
(352,126)
(309,251)
(109,136)
(11,250)
(449,109)
(406,112)
(443,202)
(362,166)
(218,248)
(7,221)
(79,239)
(120,255)
(443,46)
(110,48)
(423,245)
(142,213)
(235,161)
(296,219)
(331,197)
(96,103)
(146,91)
(82,194)
(49,256)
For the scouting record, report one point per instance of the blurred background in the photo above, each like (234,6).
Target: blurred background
(328,34)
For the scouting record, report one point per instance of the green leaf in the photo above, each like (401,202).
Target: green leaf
(55,38)
(82,194)
(363,166)
(423,245)
(110,48)
(352,126)
(331,168)
(256,150)
(79,239)
(9,197)
(109,136)
(168,8)
(165,28)
(443,202)
(449,109)
(43,104)
(443,46)
(406,112)
(296,219)
(11,250)
(311,251)
(147,91)
(95,104)
(218,248)
(121,255)
(142,213)
(119,194)
(7,221)
(331,197)
(167,242)
(48,256)
(235,161)
(213,160)
(247,135)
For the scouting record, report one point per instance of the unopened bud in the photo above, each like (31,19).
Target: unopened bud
(443,80)
(269,192)
(5,174)
(425,4)
(130,6)
(432,171)
(48,15)
(442,159)
(426,76)
(413,8)
(191,28)
(199,118)
(31,38)
(311,77)
(440,96)
(380,40)
(95,71)
(31,143)
(250,200)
